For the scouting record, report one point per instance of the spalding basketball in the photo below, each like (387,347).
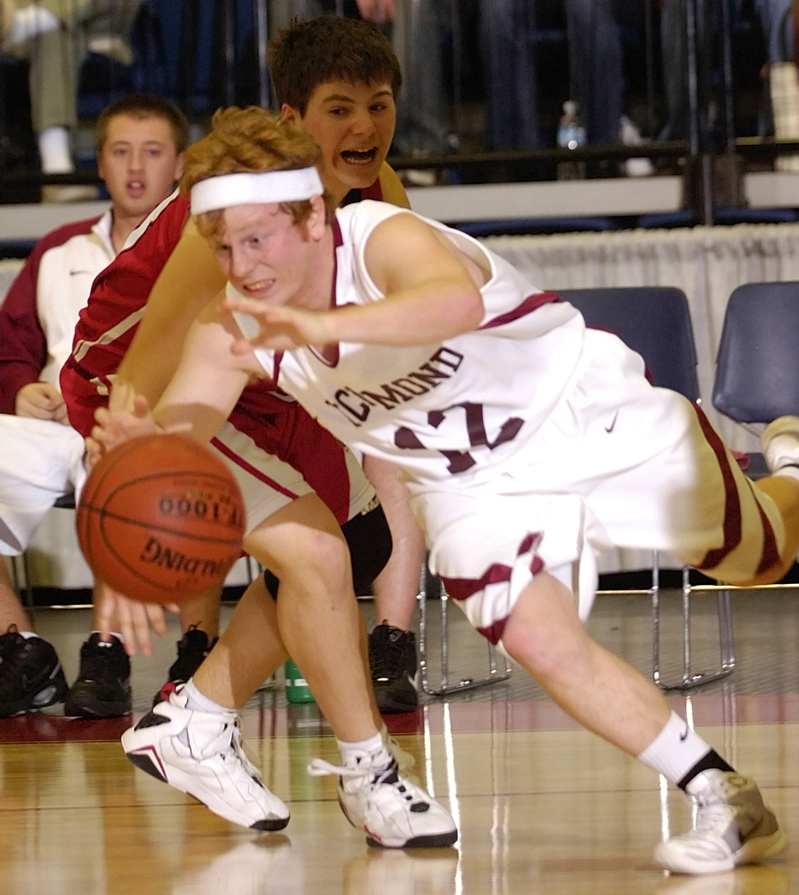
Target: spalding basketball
(160,519)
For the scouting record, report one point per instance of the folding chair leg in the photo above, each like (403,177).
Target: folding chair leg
(726,648)
(497,671)
(21,579)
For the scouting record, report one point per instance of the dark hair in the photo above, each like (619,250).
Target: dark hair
(145,105)
(327,48)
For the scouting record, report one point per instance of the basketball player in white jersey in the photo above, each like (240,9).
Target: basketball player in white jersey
(529,443)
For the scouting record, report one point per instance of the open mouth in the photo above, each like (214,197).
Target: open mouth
(255,289)
(359,156)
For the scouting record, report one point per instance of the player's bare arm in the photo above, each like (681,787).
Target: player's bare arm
(392,188)
(431,294)
(189,281)
(198,399)
(209,378)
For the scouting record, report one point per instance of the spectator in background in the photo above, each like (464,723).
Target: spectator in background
(416,35)
(776,21)
(140,144)
(511,84)
(596,29)
(55,36)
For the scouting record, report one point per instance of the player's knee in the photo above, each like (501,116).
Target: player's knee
(317,559)
(543,652)
(543,632)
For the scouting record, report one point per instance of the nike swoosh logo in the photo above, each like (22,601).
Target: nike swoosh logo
(77,273)
(612,425)
(684,735)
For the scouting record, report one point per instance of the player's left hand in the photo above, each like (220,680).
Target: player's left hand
(117,614)
(131,418)
(283,328)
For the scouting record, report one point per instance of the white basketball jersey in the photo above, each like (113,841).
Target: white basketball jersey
(453,407)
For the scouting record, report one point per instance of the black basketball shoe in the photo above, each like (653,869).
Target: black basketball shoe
(392,661)
(193,647)
(31,676)
(102,688)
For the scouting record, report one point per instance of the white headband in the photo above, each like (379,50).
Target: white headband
(255,189)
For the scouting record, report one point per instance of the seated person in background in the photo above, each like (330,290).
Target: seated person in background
(140,144)
(55,36)
(776,22)
(412,341)
(509,72)
(595,30)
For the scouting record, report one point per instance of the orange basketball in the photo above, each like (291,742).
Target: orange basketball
(161,519)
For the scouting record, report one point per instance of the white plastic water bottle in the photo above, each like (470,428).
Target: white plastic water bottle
(571,135)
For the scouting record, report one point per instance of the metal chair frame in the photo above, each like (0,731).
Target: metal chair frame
(499,668)
(689,677)
(656,322)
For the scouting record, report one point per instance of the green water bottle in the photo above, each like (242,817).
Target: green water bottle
(297,689)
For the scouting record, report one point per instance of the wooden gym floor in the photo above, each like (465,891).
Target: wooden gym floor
(542,806)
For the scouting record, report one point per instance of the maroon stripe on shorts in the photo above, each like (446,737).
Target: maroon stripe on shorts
(461,589)
(771,554)
(732,503)
(732,512)
(252,470)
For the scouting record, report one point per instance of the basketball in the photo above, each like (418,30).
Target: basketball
(160,519)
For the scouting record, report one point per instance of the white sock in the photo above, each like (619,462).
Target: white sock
(373,745)
(199,702)
(55,151)
(405,760)
(109,643)
(30,21)
(675,750)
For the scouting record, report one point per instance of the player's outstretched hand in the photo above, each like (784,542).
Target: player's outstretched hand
(127,416)
(281,328)
(117,614)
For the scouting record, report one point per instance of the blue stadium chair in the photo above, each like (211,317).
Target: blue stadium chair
(757,368)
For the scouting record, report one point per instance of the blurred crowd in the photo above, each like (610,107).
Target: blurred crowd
(477,75)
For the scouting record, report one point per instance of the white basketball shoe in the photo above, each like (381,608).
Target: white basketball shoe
(779,444)
(392,811)
(733,827)
(200,753)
